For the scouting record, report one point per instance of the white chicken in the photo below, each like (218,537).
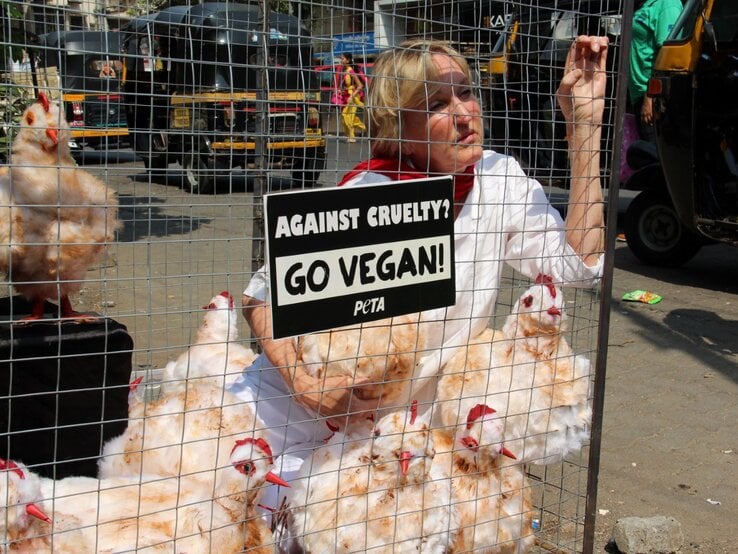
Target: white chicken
(194,416)
(382,353)
(528,372)
(187,430)
(216,354)
(56,219)
(490,494)
(23,523)
(377,493)
(185,513)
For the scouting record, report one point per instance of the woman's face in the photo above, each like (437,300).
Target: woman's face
(447,138)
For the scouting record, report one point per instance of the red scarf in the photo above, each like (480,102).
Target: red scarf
(398,170)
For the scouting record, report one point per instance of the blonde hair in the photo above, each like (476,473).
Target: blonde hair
(403,79)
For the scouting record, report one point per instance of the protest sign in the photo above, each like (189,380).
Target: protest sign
(345,256)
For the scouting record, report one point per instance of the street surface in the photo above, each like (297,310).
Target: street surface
(670,445)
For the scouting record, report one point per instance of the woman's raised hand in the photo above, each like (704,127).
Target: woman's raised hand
(581,93)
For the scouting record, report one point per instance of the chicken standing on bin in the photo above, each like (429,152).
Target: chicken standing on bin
(55,218)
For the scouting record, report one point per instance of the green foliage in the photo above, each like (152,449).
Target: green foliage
(13,101)
(14,36)
(280,6)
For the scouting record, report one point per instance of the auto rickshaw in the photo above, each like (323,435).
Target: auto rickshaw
(689,194)
(83,70)
(206,88)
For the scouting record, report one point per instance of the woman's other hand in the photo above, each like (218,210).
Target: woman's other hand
(581,93)
(330,397)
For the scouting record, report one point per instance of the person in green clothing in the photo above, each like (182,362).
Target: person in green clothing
(652,23)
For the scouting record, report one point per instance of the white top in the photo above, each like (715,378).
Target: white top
(505,218)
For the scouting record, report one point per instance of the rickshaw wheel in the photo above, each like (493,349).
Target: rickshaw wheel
(655,234)
(308,167)
(198,178)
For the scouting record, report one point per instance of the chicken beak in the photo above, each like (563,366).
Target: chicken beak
(35,511)
(405,461)
(276,480)
(505,452)
(53,134)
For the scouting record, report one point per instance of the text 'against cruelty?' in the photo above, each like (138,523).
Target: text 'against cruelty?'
(345,219)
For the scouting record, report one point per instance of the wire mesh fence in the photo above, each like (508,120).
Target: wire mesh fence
(140,142)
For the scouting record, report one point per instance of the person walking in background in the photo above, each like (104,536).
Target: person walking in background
(352,88)
(652,23)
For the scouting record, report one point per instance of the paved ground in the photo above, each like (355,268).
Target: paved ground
(670,445)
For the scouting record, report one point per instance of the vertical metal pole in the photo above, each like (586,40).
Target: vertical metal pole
(593,465)
(262,131)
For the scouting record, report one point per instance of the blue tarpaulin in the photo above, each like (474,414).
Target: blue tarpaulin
(358,44)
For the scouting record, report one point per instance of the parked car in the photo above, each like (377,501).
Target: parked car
(689,193)
(206,89)
(83,70)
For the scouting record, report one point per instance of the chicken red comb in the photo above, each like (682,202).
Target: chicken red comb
(224,294)
(44,101)
(413,411)
(547,280)
(229,296)
(133,385)
(12,466)
(476,412)
(260,442)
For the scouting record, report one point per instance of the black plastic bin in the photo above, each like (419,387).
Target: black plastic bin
(63,390)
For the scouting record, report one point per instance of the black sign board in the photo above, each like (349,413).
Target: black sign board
(349,255)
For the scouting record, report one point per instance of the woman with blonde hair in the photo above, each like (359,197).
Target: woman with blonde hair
(425,120)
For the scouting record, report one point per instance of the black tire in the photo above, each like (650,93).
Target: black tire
(655,234)
(198,177)
(307,168)
(151,148)
(156,164)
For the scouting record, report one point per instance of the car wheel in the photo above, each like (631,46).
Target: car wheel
(156,163)
(308,168)
(154,157)
(198,178)
(655,234)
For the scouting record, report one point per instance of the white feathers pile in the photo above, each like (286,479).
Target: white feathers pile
(447,476)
